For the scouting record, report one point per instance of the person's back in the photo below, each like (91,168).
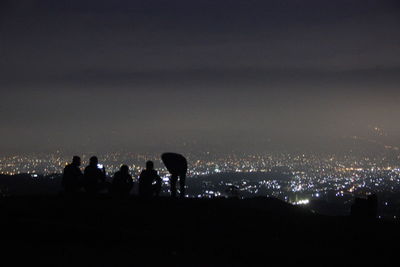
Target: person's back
(122,182)
(72,176)
(145,182)
(146,179)
(93,176)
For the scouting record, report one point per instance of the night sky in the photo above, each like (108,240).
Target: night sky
(93,75)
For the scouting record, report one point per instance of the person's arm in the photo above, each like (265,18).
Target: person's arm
(114,181)
(141,176)
(63,177)
(103,177)
(130,180)
(79,173)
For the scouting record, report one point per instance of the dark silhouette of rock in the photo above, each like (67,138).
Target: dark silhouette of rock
(176,164)
(365,208)
(72,176)
(94,177)
(122,182)
(149,181)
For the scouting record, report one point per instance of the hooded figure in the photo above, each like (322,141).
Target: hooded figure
(176,164)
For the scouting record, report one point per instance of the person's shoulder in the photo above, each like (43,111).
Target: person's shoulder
(69,167)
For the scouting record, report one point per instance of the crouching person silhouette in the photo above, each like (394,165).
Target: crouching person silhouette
(149,181)
(94,177)
(72,176)
(176,164)
(122,182)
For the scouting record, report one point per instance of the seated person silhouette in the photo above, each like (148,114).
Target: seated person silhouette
(176,164)
(122,182)
(149,181)
(94,178)
(72,176)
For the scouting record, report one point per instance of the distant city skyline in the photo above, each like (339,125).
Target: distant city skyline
(300,179)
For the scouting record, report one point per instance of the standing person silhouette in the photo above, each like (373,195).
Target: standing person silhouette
(149,181)
(176,164)
(122,182)
(94,177)
(72,176)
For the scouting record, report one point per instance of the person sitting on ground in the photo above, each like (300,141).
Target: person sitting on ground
(72,176)
(149,181)
(94,177)
(122,182)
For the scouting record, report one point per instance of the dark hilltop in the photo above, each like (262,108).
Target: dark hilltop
(105,231)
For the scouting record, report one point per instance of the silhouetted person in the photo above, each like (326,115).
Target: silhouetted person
(72,176)
(365,208)
(122,182)
(157,184)
(177,166)
(149,181)
(94,177)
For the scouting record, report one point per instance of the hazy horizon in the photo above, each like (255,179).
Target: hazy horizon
(156,75)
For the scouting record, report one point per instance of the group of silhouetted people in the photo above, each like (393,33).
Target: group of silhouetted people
(93,179)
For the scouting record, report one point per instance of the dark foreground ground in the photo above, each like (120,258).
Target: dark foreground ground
(58,231)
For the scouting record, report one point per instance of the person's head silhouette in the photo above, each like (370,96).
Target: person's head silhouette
(149,165)
(124,169)
(76,161)
(93,161)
